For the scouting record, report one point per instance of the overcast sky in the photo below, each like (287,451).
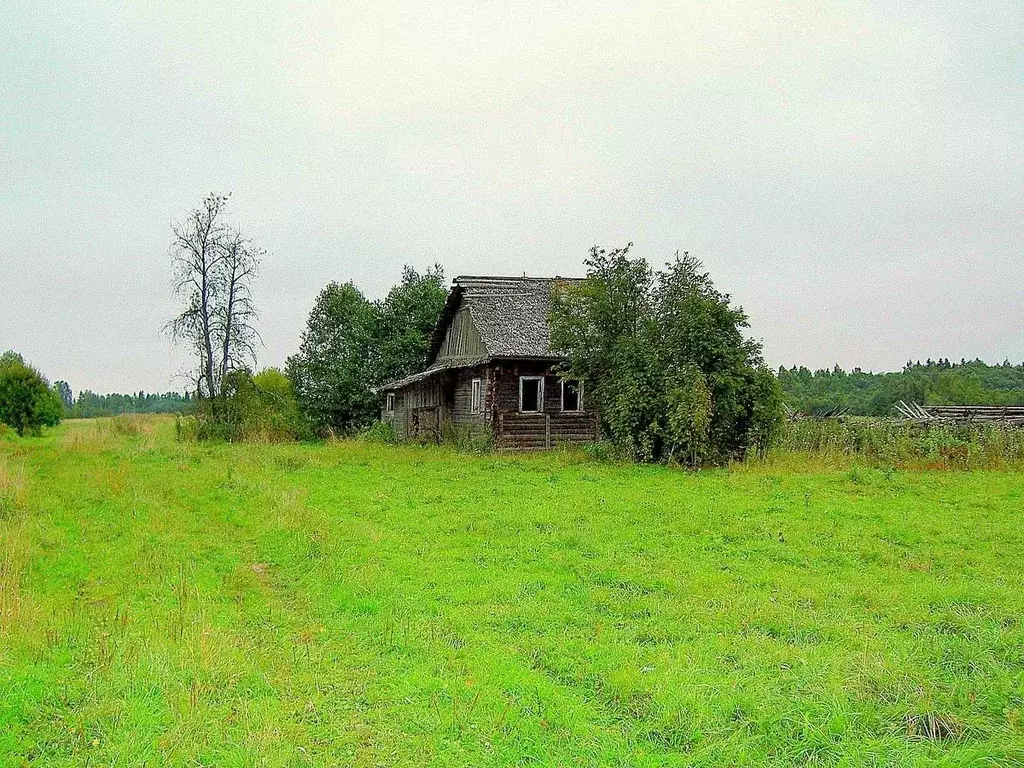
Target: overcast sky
(851,172)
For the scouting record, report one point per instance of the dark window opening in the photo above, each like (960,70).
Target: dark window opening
(531,393)
(571,395)
(448,391)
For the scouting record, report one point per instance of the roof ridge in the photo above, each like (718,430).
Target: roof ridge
(512,278)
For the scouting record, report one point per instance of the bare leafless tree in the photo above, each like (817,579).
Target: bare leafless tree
(236,313)
(214,266)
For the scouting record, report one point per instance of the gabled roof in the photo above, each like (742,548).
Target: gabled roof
(510,313)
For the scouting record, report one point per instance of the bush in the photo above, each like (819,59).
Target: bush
(379,432)
(260,408)
(664,360)
(27,403)
(890,443)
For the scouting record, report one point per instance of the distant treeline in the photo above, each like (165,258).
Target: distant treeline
(934,382)
(91,405)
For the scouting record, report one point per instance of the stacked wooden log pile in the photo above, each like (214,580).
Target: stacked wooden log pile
(962,414)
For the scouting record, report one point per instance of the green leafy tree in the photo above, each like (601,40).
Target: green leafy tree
(352,345)
(63,390)
(940,382)
(333,369)
(27,403)
(665,360)
(405,321)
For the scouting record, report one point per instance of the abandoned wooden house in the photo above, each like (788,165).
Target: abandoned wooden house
(491,372)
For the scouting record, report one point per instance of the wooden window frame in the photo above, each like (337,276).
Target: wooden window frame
(579,396)
(476,396)
(389,402)
(540,393)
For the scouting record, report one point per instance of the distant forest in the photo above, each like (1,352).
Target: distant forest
(91,405)
(934,382)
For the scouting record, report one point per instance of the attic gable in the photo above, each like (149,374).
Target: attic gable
(508,314)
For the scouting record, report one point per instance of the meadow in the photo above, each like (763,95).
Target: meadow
(351,603)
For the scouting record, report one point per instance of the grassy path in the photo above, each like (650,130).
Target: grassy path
(165,604)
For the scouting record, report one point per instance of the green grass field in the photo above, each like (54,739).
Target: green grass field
(360,604)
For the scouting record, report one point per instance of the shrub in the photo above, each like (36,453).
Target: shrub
(886,442)
(379,432)
(664,359)
(27,403)
(260,408)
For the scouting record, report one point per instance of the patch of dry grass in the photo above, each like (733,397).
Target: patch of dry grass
(14,549)
(111,432)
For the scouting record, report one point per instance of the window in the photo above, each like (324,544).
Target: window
(477,399)
(531,394)
(389,402)
(572,395)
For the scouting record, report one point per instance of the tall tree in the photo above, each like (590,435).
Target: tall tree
(333,369)
(236,314)
(405,321)
(351,345)
(63,390)
(214,266)
(664,358)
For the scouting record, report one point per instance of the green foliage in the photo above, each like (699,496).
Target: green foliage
(665,361)
(890,443)
(351,345)
(27,403)
(89,405)
(405,321)
(333,370)
(356,604)
(260,408)
(63,390)
(931,383)
(379,432)
(688,426)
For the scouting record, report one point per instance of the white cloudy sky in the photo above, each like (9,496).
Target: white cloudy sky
(852,172)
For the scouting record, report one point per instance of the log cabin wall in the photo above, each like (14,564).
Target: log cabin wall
(534,431)
(417,410)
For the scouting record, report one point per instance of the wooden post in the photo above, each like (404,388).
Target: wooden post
(501,429)
(547,430)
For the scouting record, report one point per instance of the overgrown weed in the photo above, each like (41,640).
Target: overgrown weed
(14,558)
(111,431)
(13,489)
(881,443)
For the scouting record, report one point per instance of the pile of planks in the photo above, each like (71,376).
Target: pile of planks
(962,414)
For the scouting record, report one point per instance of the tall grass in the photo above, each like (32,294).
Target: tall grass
(13,541)
(108,432)
(357,603)
(883,442)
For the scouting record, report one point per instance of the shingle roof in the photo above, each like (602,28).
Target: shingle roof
(448,364)
(511,313)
